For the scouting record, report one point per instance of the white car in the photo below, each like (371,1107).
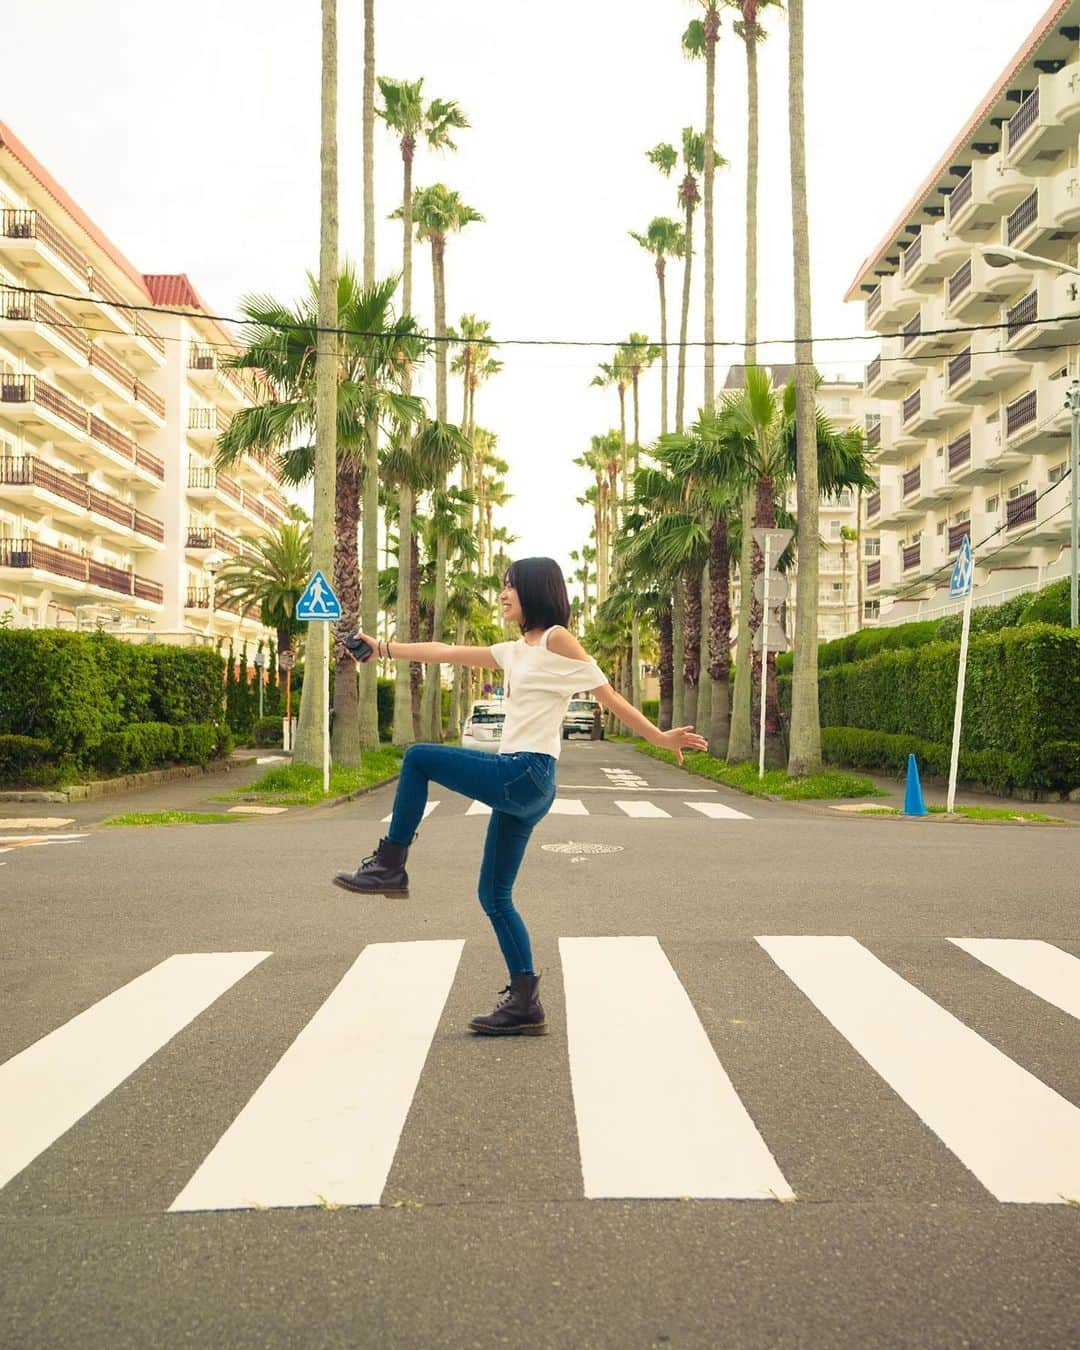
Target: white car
(483,726)
(580,715)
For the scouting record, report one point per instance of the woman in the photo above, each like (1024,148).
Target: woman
(543,669)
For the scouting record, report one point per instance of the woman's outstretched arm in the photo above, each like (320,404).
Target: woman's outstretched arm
(427,652)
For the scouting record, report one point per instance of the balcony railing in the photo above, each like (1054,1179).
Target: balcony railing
(198,597)
(202,419)
(1020,412)
(960,451)
(873,371)
(912,480)
(1024,215)
(956,534)
(30,471)
(32,389)
(961,194)
(912,555)
(19,224)
(912,329)
(209,480)
(960,281)
(211,536)
(1023,314)
(912,254)
(1021,510)
(873,573)
(873,505)
(873,433)
(912,404)
(59,562)
(959,367)
(873,302)
(1024,118)
(34,309)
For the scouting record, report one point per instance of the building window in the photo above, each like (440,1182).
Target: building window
(845,405)
(1018,490)
(993,503)
(940,528)
(871,609)
(1057,473)
(837,586)
(963,515)
(834,529)
(872,547)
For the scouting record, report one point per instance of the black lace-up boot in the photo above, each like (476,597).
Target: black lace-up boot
(520,1013)
(381,874)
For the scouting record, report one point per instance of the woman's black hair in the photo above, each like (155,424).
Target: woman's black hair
(541,591)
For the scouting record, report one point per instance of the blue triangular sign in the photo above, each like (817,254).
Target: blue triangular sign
(318,601)
(960,581)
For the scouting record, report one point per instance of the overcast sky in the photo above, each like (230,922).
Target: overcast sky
(190,134)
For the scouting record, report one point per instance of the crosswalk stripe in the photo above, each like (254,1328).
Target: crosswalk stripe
(568,806)
(479,809)
(1039,966)
(657,1114)
(643,810)
(53,1083)
(1019,1137)
(427,812)
(718,811)
(325,1123)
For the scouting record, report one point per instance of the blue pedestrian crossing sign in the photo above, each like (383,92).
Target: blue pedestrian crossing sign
(960,581)
(318,601)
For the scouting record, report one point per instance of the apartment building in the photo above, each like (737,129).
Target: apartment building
(971,431)
(111,514)
(845,404)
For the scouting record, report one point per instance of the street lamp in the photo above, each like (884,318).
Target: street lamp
(1000,255)
(213,565)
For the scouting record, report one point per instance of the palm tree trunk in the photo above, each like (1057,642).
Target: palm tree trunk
(750,39)
(635,661)
(692,645)
(805,756)
(345,732)
(455,690)
(719,635)
(740,741)
(678,650)
(369,146)
(416,670)
(712,32)
(369,596)
(704,695)
(680,383)
(432,699)
(765,517)
(313,713)
(660,278)
(664,625)
(404,632)
(858,562)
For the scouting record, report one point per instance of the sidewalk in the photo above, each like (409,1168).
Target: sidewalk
(183,794)
(935,794)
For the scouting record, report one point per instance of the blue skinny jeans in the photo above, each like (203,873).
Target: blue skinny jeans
(518,787)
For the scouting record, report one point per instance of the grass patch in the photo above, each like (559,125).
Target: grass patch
(776,783)
(301,784)
(997,813)
(171,818)
(879,811)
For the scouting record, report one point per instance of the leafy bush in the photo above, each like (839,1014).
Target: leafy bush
(859,749)
(196,743)
(141,746)
(268,731)
(651,708)
(27,761)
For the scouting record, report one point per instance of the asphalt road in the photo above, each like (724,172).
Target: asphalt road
(727,1139)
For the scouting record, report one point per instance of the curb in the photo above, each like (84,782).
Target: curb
(110,787)
(728,787)
(361,792)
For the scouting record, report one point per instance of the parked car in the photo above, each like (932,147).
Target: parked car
(580,717)
(483,726)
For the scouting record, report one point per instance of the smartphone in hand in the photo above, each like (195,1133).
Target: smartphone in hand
(357,648)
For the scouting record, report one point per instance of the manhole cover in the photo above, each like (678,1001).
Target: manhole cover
(582,848)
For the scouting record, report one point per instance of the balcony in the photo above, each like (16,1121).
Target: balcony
(122,388)
(896,509)
(202,538)
(56,264)
(933,255)
(1045,123)
(890,305)
(975,291)
(935,484)
(29,399)
(28,477)
(89,576)
(1006,186)
(922,339)
(911,556)
(206,372)
(32,324)
(970,213)
(873,573)
(1047,313)
(198,597)
(1053,208)
(882,440)
(979,527)
(205,425)
(207,484)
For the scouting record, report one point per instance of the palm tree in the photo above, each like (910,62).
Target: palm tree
(437,212)
(369,144)
(700,39)
(805,750)
(270,575)
(281,347)
(663,239)
(634,356)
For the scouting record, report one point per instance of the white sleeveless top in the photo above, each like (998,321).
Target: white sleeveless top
(541,685)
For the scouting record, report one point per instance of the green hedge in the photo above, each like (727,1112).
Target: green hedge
(855,748)
(1022,700)
(152,745)
(28,760)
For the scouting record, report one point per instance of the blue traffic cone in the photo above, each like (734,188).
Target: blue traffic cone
(913,802)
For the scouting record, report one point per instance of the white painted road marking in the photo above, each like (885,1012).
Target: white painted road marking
(717,811)
(1044,969)
(1018,1136)
(479,809)
(35,822)
(657,1115)
(568,806)
(324,1125)
(50,1085)
(643,810)
(427,812)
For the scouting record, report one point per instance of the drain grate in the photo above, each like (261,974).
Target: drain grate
(573,848)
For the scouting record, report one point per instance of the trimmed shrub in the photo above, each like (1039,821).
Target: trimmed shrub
(651,708)
(141,746)
(268,731)
(27,761)
(196,743)
(855,748)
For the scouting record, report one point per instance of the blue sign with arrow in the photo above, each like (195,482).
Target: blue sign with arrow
(318,601)
(960,581)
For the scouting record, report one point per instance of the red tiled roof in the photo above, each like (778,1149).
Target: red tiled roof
(10,142)
(959,146)
(174,291)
